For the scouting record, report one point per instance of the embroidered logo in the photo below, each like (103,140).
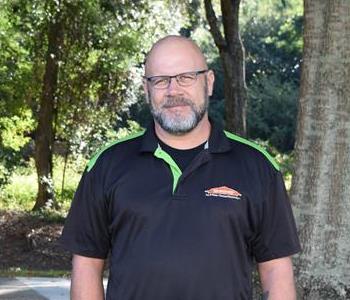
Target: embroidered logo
(224,192)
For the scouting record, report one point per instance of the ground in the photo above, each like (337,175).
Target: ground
(29,242)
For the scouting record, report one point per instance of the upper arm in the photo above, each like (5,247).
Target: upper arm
(283,264)
(277,278)
(89,264)
(86,281)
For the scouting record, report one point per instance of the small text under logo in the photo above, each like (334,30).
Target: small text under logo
(223,192)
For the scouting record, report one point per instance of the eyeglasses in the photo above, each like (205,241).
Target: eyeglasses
(183,79)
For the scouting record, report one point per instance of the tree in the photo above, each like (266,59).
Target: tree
(232,59)
(321,190)
(44,138)
(72,63)
(88,46)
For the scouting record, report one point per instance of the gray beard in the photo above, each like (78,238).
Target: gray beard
(178,124)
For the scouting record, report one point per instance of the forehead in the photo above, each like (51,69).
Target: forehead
(173,56)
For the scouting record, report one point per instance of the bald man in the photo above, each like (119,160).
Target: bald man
(185,209)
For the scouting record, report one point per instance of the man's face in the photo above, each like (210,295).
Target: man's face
(178,109)
(179,114)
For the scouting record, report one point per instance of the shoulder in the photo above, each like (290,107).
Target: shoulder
(117,150)
(251,151)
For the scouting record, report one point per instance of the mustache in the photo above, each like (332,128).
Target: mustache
(176,101)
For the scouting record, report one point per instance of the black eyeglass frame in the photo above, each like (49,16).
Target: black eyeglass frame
(169,77)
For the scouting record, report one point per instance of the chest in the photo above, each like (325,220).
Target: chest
(212,192)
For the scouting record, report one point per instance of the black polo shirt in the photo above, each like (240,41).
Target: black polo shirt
(191,235)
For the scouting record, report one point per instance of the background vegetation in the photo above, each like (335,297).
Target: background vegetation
(99,96)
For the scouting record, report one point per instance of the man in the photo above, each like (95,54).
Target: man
(185,208)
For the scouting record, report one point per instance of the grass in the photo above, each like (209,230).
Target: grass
(20,192)
(18,272)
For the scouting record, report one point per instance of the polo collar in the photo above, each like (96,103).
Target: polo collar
(149,139)
(218,142)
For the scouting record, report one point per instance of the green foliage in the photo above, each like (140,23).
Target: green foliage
(13,136)
(20,192)
(272,35)
(103,39)
(269,8)
(216,111)
(284,160)
(133,127)
(273,73)
(100,71)
(9,160)
(16,92)
(97,75)
(272,111)
(13,130)
(273,45)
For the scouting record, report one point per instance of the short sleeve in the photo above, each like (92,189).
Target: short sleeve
(86,228)
(277,235)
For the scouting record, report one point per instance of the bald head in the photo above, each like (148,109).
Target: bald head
(173,55)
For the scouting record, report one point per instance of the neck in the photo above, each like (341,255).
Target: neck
(192,139)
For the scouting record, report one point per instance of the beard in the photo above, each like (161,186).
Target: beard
(179,123)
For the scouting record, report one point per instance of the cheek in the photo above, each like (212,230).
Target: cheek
(198,95)
(156,98)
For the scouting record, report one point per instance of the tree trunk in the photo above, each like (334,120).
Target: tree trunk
(321,182)
(44,133)
(232,58)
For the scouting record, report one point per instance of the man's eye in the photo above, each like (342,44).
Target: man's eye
(160,81)
(186,77)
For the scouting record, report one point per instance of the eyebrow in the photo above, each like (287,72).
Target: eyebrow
(187,72)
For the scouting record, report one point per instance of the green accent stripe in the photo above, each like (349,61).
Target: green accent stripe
(175,170)
(255,146)
(93,160)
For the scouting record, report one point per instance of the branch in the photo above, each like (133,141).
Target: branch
(213,24)
(230,19)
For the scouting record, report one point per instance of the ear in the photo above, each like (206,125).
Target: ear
(210,82)
(145,89)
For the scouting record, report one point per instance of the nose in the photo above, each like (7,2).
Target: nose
(173,87)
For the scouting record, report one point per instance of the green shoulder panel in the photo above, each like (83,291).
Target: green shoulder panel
(93,160)
(255,146)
